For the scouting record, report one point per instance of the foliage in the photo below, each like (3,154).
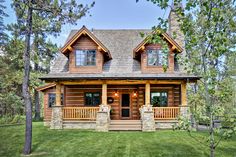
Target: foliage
(16,119)
(30,21)
(11,65)
(209,28)
(3,35)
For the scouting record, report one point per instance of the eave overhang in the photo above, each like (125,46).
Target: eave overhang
(42,88)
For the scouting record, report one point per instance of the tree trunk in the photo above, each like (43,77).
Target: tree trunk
(209,103)
(25,86)
(212,147)
(37,105)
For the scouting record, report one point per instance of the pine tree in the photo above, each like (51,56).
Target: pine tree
(58,13)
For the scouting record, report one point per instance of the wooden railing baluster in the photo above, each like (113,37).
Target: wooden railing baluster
(166,112)
(80,113)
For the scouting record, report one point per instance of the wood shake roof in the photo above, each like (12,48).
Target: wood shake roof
(120,44)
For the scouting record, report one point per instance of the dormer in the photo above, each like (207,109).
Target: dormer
(152,57)
(86,54)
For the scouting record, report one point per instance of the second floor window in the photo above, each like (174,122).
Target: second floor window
(156,58)
(85,57)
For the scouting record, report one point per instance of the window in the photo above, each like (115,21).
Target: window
(159,99)
(85,57)
(92,99)
(52,99)
(157,58)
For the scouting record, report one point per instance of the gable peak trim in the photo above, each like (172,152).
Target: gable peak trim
(84,31)
(174,44)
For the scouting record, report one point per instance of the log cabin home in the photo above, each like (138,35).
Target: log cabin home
(114,80)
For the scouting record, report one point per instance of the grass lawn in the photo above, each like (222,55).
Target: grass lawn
(76,143)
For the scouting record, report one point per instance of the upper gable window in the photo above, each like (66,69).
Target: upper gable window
(85,57)
(156,57)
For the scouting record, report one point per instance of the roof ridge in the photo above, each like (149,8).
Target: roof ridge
(111,29)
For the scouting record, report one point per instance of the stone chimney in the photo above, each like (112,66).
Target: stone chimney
(175,32)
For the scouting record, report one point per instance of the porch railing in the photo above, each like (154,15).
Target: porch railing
(166,112)
(80,113)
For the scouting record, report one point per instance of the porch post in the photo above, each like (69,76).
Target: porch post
(147,114)
(184,108)
(103,115)
(104,94)
(56,119)
(147,94)
(58,94)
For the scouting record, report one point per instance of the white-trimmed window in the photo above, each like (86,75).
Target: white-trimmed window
(52,99)
(156,58)
(85,57)
(159,99)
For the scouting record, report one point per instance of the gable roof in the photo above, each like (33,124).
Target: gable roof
(175,45)
(121,44)
(42,88)
(83,31)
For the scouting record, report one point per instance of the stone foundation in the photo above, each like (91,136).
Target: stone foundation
(165,124)
(56,120)
(87,125)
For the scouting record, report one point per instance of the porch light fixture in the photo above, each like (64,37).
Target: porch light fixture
(135,94)
(116,93)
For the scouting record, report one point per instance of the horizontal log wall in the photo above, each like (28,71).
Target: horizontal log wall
(74,97)
(47,110)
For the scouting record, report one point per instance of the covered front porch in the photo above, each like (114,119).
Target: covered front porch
(117,101)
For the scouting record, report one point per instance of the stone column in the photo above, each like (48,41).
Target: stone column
(147,118)
(184,112)
(147,114)
(184,109)
(103,115)
(103,118)
(56,119)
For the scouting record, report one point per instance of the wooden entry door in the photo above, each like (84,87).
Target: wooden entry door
(125,106)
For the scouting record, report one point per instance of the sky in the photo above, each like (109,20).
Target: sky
(109,14)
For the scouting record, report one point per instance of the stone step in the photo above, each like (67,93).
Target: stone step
(125,122)
(75,122)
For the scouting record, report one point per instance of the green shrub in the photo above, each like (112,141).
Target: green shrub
(18,119)
(6,119)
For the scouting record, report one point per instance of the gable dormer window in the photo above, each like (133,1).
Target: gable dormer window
(156,57)
(85,57)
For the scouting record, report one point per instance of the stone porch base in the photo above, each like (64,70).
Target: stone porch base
(88,125)
(165,124)
(91,125)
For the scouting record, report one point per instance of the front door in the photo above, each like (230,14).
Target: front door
(125,106)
